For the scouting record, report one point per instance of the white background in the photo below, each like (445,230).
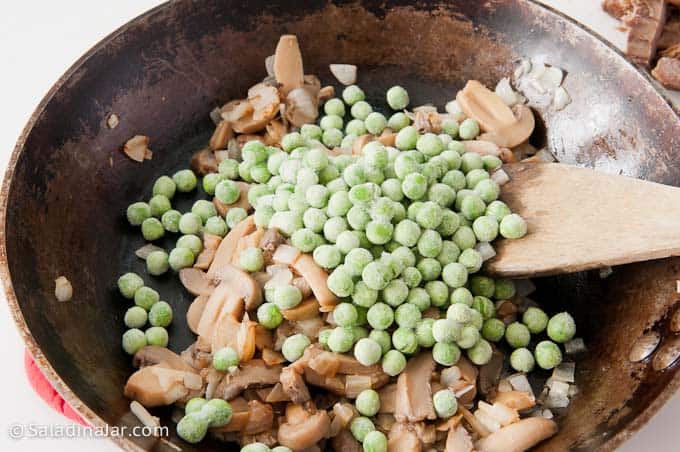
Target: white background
(39,40)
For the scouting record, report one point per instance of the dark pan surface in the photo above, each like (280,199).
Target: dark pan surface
(68,184)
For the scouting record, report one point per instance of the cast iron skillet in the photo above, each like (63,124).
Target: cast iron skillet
(68,184)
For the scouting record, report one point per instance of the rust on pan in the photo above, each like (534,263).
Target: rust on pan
(67,184)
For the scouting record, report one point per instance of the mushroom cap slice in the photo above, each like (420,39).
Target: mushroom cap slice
(458,440)
(305,434)
(154,355)
(195,312)
(225,251)
(402,438)
(253,374)
(514,134)
(157,385)
(196,282)
(242,284)
(288,69)
(414,394)
(316,277)
(520,436)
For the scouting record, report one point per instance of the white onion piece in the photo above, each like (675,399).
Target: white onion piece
(504,386)
(486,250)
(547,414)
(575,346)
(520,383)
(344,73)
(487,421)
(524,287)
(505,92)
(453,108)
(144,416)
(523,68)
(561,98)
(551,78)
(546,156)
(500,177)
(286,254)
(564,372)
(450,376)
(63,290)
(147,249)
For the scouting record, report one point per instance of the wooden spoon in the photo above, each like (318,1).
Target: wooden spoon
(580,219)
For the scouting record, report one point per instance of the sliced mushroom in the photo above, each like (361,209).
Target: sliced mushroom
(265,101)
(152,355)
(270,357)
(270,241)
(520,436)
(249,417)
(227,247)
(388,398)
(308,309)
(402,438)
(316,277)
(236,110)
(303,286)
(274,132)
(136,147)
(245,339)
(482,147)
(210,244)
(414,395)
(503,126)
(324,364)
(286,255)
(196,282)
(220,137)
(344,441)
(304,434)
(458,440)
(360,142)
(325,93)
(253,374)
(158,385)
(387,137)
(288,68)
(302,106)
(517,400)
(294,385)
(263,338)
(335,385)
(490,373)
(251,240)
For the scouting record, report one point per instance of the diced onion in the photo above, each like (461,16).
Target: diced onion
(485,250)
(523,68)
(561,98)
(450,376)
(143,415)
(564,372)
(545,156)
(506,93)
(575,346)
(487,421)
(286,254)
(344,73)
(63,290)
(520,383)
(500,177)
(147,249)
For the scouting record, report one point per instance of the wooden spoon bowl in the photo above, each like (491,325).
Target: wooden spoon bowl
(68,184)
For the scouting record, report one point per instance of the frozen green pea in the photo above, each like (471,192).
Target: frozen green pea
(354,174)
(216,226)
(181,258)
(398,121)
(380,316)
(517,335)
(361,110)
(493,330)
(462,295)
(192,428)
(395,293)
(145,297)
(561,327)
(407,315)
(547,355)
(468,129)
(361,195)
(158,205)
(438,292)
(292,141)
(469,336)
(446,330)
(287,296)
(471,260)
(227,191)
(135,317)
(357,216)
(311,131)
(185,180)
(477,320)
(152,229)
(397,98)
(306,240)
(254,152)
(403,256)
(355,127)
(269,315)
(338,204)
(352,94)
(414,186)
(275,161)
(488,190)
(375,441)
(235,215)
(341,340)
(375,123)
(446,354)
(333,227)
(330,122)
(210,181)
(194,405)
(323,337)
(363,295)
(480,353)
(430,243)
(368,400)
(358,332)
(383,339)
(170,220)
(472,207)
(513,227)
(441,194)
(160,314)
(260,447)
(485,228)
(316,159)
(244,171)
(382,209)
(429,268)
(375,154)
(340,282)
(475,177)
(484,306)
(419,297)
(228,168)
(393,363)
(482,285)
(165,186)
(327,256)
(450,127)
(342,161)
(459,312)
(405,340)
(535,319)
(522,360)
(491,162)
(361,427)
(407,233)
(375,275)
(504,289)
(457,146)
(429,216)
(190,241)
(251,259)
(379,232)
(424,334)
(406,139)
(347,241)
(219,412)
(294,346)
(334,106)
(452,159)
(448,254)
(356,260)
(455,274)
(471,161)
(367,352)
(412,277)
(224,358)
(465,238)
(454,179)
(399,212)
(430,144)
(157,335)
(129,284)
(286,222)
(190,223)
(348,140)
(328,174)
(263,217)
(445,403)
(345,314)
(277,449)
(314,219)
(260,173)
(392,189)
(133,340)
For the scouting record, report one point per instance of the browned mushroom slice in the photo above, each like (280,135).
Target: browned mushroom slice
(249,417)
(227,247)
(277,394)
(221,136)
(224,333)
(303,286)
(304,433)
(516,400)
(293,385)
(335,384)
(203,162)
(516,133)
(355,384)
(520,436)
(458,440)
(196,282)
(158,385)
(402,438)
(270,357)
(343,412)
(324,364)
(253,374)
(214,310)
(388,398)
(265,101)
(136,147)
(236,110)
(288,68)
(360,142)
(195,312)
(490,373)
(308,309)
(151,355)
(345,442)
(264,339)
(210,244)
(302,106)
(414,395)
(309,327)
(316,277)
(387,137)
(274,132)
(270,241)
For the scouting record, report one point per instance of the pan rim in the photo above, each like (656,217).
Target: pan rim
(32,345)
